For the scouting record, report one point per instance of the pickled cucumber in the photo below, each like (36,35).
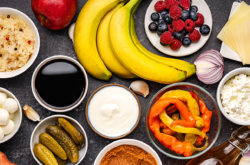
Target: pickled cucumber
(65,141)
(76,135)
(60,161)
(53,145)
(44,154)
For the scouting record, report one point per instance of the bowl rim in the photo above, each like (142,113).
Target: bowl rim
(57,116)
(228,76)
(36,52)
(92,127)
(182,157)
(45,61)
(20,118)
(127,142)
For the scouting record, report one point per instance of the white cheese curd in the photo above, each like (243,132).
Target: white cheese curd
(3,97)
(113,111)
(12,115)
(7,129)
(235,97)
(4,117)
(10,105)
(1,134)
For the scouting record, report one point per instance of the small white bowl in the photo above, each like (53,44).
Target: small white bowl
(34,78)
(133,142)
(40,128)
(16,13)
(17,118)
(218,94)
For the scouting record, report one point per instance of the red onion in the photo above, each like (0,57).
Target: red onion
(209,66)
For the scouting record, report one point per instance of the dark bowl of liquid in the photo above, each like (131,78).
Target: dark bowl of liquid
(59,83)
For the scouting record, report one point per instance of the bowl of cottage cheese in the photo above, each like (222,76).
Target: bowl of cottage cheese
(233,96)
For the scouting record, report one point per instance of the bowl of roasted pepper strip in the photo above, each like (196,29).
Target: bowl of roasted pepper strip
(183,120)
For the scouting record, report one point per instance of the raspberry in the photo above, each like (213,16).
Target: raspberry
(171,29)
(159,6)
(176,44)
(185,4)
(175,12)
(200,20)
(195,35)
(178,25)
(170,3)
(189,25)
(166,38)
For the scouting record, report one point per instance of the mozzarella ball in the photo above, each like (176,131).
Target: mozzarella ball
(4,117)
(12,115)
(7,129)
(10,105)
(1,134)
(3,97)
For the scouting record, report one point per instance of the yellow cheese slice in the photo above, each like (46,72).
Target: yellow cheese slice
(247,41)
(234,32)
(240,11)
(241,33)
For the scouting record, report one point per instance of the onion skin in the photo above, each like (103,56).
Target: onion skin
(209,66)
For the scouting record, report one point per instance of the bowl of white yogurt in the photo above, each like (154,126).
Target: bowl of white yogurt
(113,111)
(233,96)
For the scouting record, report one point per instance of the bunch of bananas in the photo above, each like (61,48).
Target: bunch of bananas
(105,39)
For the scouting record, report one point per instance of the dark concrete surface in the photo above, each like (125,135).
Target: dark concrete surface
(58,43)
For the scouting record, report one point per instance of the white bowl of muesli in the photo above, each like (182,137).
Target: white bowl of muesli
(19,42)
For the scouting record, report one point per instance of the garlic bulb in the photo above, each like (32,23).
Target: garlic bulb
(10,105)
(140,87)
(3,97)
(7,129)
(71,31)
(4,117)
(1,134)
(31,113)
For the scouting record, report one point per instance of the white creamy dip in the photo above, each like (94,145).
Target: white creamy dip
(113,111)
(235,97)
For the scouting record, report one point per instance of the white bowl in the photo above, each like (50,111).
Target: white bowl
(218,95)
(17,118)
(34,88)
(16,13)
(40,128)
(133,142)
(203,8)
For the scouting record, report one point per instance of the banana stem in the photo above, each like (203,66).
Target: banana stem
(135,7)
(132,3)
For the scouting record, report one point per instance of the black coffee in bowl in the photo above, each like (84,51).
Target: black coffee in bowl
(60,84)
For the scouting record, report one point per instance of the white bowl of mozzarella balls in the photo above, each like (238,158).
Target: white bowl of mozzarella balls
(10,115)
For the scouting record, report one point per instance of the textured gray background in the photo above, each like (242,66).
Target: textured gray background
(57,42)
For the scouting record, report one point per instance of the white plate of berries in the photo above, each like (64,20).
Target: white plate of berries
(178,27)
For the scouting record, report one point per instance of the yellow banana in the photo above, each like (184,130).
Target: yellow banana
(105,50)
(85,36)
(129,55)
(178,64)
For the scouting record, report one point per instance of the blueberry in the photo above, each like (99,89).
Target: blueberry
(163,44)
(193,15)
(186,41)
(164,13)
(155,16)
(162,27)
(185,15)
(168,19)
(194,8)
(184,32)
(204,29)
(159,33)
(153,27)
(161,21)
(179,35)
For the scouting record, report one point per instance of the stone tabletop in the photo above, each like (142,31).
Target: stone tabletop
(17,149)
